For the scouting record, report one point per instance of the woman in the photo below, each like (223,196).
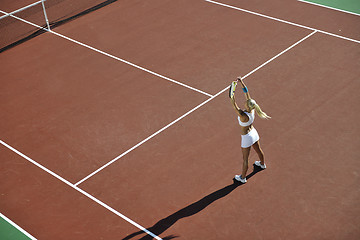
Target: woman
(249,135)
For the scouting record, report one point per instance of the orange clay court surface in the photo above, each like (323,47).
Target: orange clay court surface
(118,125)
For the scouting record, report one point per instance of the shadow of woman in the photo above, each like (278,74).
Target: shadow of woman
(165,223)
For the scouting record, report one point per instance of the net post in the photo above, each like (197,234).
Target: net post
(46,18)
(21,9)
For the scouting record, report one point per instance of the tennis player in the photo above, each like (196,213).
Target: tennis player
(249,135)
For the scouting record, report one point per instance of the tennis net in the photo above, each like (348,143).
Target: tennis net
(57,12)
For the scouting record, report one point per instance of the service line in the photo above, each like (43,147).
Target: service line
(111,56)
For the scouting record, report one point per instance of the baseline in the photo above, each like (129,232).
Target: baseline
(283,21)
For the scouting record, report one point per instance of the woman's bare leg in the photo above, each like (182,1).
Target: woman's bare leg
(246,153)
(259,152)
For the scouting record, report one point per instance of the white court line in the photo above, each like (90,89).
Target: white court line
(81,191)
(112,56)
(131,64)
(17,227)
(283,21)
(23,20)
(21,9)
(145,140)
(186,114)
(332,8)
(281,53)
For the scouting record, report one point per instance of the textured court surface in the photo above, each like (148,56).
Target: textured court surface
(121,120)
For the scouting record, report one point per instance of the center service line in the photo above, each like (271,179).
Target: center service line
(186,114)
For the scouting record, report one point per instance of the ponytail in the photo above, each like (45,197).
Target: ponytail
(252,104)
(260,113)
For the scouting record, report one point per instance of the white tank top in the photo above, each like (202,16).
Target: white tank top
(251,119)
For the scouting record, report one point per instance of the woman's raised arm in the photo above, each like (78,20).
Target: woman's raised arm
(238,110)
(244,88)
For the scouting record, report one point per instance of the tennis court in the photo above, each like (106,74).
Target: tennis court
(116,123)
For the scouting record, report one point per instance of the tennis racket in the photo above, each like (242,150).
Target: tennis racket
(232,89)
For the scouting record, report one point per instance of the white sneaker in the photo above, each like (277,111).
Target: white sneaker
(257,163)
(238,178)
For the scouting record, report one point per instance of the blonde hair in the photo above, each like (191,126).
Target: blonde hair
(251,103)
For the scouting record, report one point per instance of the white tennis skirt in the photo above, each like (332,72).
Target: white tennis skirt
(249,139)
